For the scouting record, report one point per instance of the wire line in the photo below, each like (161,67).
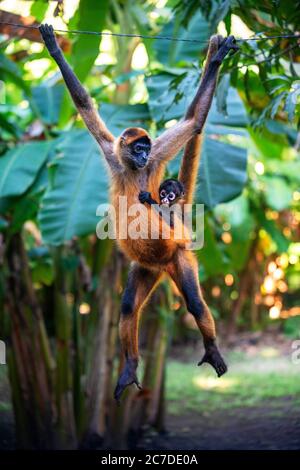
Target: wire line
(145,36)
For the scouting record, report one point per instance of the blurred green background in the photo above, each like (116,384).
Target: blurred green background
(60,286)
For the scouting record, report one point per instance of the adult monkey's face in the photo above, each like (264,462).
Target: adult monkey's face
(140,150)
(135,148)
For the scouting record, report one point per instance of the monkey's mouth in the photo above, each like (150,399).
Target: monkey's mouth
(165,203)
(140,164)
(140,160)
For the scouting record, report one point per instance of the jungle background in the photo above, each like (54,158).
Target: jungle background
(60,286)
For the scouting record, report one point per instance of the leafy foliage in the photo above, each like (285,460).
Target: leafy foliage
(19,167)
(78,186)
(48,101)
(170,53)
(86,47)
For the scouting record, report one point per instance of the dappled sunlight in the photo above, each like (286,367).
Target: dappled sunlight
(215,383)
(140,58)
(37,68)
(269,352)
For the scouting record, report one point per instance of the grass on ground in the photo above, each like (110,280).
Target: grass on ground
(250,381)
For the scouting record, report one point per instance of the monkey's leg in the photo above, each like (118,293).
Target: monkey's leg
(184,272)
(141,282)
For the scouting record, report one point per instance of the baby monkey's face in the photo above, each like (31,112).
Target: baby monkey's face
(170,192)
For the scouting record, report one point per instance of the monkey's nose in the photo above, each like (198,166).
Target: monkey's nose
(165,200)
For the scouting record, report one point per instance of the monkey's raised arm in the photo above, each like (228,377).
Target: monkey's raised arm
(167,145)
(190,160)
(81,98)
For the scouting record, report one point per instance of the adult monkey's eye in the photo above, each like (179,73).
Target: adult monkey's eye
(171,196)
(138,147)
(163,193)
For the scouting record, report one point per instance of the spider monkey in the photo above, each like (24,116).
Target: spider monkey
(170,192)
(137,164)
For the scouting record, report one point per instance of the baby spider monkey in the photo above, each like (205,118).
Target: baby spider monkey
(170,192)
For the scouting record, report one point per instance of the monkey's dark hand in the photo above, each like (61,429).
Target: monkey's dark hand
(49,38)
(144,196)
(213,357)
(229,44)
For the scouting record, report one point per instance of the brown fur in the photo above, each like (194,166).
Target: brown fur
(133,133)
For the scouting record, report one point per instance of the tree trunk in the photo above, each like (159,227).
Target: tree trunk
(30,362)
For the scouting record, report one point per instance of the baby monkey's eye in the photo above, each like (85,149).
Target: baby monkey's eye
(138,148)
(171,196)
(163,193)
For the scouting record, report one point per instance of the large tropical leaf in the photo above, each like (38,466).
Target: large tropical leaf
(118,117)
(210,256)
(9,69)
(171,52)
(92,16)
(38,9)
(78,184)
(20,166)
(26,207)
(222,174)
(170,93)
(236,116)
(48,100)
(7,126)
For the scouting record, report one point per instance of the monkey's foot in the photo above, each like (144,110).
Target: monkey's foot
(213,357)
(127,377)
(49,38)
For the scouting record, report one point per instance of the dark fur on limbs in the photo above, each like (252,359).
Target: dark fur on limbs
(135,296)
(137,167)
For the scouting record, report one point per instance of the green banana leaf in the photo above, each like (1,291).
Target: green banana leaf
(171,52)
(47,100)
(170,93)
(118,117)
(78,184)
(212,260)
(222,174)
(20,166)
(90,16)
